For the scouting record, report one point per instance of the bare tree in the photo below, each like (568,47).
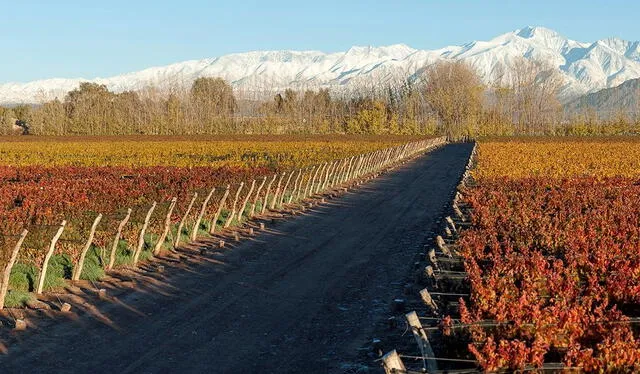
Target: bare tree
(454,91)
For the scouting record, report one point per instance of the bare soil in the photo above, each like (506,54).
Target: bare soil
(303,297)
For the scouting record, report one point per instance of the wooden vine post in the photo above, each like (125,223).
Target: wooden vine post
(183,220)
(348,169)
(6,273)
(313,181)
(341,171)
(167,227)
(318,183)
(392,363)
(246,200)
(147,218)
(214,222)
(422,340)
(309,182)
(335,174)
(196,224)
(47,257)
(85,249)
(116,240)
(325,184)
(255,199)
(286,185)
(266,195)
(227,223)
(275,195)
(295,187)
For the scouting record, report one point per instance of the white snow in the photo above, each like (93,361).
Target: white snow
(585,67)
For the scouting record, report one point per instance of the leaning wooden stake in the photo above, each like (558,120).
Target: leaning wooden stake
(295,187)
(266,195)
(167,227)
(116,240)
(136,254)
(52,248)
(246,200)
(284,189)
(227,222)
(392,363)
(312,175)
(214,222)
(196,224)
(183,220)
(451,224)
(423,342)
(443,247)
(255,199)
(318,183)
(4,286)
(275,195)
(428,300)
(83,254)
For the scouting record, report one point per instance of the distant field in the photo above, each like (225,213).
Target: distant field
(275,152)
(559,157)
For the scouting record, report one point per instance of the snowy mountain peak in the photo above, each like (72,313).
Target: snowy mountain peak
(585,67)
(537,32)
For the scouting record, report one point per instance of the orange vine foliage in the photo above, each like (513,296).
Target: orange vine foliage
(553,253)
(559,158)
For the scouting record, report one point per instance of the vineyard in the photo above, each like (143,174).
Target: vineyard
(538,267)
(273,151)
(77,209)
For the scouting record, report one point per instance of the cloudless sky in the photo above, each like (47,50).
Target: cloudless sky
(87,39)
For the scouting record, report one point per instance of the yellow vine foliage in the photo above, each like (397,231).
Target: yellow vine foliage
(559,157)
(278,152)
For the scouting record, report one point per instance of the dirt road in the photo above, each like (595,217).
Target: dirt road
(301,298)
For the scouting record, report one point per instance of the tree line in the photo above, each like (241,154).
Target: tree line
(445,98)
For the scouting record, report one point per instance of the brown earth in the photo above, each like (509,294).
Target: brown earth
(303,297)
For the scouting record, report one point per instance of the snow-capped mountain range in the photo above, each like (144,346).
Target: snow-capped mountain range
(585,67)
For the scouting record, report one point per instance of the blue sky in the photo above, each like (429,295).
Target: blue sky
(45,39)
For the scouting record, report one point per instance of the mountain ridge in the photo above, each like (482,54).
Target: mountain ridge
(584,67)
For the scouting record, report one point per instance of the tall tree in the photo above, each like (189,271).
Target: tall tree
(454,91)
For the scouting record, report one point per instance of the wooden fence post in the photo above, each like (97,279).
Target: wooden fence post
(325,177)
(346,174)
(275,195)
(330,172)
(83,254)
(47,257)
(227,223)
(393,364)
(246,200)
(214,222)
(284,189)
(342,171)
(423,342)
(320,179)
(266,195)
(4,286)
(116,241)
(196,224)
(167,226)
(428,300)
(295,187)
(301,185)
(310,181)
(183,220)
(143,230)
(255,199)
